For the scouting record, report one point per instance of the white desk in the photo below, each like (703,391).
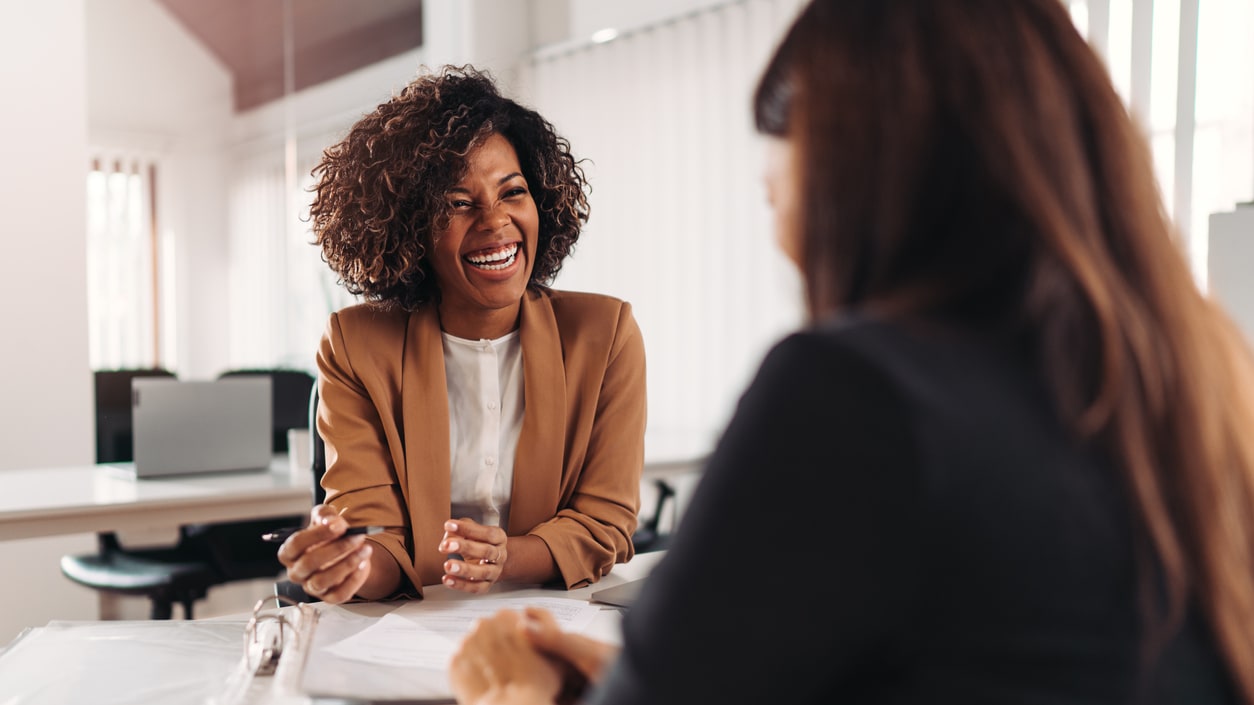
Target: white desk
(638,567)
(340,677)
(96,498)
(189,662)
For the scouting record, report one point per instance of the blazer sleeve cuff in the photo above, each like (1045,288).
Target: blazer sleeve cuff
(576,566)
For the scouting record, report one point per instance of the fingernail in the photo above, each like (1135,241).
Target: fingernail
(450,526)
(456,568)
(448,581)
(453,546)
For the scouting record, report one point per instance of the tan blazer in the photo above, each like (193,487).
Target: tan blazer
(384,415)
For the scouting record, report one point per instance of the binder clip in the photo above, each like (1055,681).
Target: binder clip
(265,636)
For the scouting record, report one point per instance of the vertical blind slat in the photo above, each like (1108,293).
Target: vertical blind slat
(679,226)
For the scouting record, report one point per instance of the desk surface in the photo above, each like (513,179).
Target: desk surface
(95,498)
(180,662)
(638,567)
(340,677)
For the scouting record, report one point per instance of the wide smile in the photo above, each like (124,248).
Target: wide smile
(493,259)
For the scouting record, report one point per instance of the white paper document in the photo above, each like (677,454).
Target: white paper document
(424,635)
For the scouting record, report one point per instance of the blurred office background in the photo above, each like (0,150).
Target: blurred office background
(158,152)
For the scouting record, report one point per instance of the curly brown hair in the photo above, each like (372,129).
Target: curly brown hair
(380,192)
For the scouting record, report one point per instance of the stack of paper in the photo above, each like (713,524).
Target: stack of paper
(405,653)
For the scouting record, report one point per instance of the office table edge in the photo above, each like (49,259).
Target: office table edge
(206,499)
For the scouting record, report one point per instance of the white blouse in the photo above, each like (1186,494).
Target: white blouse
(485,405)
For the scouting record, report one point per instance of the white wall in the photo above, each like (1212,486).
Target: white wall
(487,32)
(588,16)
(46,385)
(78,72)
(491,34)
(46,417)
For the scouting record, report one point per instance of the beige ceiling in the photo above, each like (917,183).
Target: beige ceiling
(329,38)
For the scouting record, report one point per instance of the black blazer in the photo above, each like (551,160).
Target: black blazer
(897,516)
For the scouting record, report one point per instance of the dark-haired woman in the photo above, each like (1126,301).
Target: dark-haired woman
(493,425)
(1010,461)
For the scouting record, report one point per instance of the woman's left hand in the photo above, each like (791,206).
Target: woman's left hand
(478,555)
(497,665)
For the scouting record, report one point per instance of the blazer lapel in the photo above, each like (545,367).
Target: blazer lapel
(538,459)
(424,403)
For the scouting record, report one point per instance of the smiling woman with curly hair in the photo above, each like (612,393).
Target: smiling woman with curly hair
(381,191)
(492,425)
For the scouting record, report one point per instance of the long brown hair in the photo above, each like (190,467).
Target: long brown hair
(972,160)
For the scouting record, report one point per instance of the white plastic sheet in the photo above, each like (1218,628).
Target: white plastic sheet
(121,663)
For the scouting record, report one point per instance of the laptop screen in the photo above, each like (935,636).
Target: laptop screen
(183,427)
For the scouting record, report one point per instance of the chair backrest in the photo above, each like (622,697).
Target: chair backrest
(290,399)
(318,454)
(318,465)
(114,442)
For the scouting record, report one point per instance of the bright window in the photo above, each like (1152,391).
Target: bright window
(1210,164)
(122,281)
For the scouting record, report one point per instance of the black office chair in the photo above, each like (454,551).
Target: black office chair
(235,547)
(113,411)
(204,556)
(317,468)
(649,535)
(317,451)
(166,575)
(290,391)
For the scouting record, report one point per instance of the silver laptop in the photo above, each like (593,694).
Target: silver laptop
(623,595)
(183,427)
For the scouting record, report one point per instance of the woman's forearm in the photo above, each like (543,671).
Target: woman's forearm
(528,560)
(385,576)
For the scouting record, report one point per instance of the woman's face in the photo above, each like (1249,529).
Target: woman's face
(783,194)
(483,259)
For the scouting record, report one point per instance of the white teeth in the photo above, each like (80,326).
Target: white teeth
(500,259)
(494,267)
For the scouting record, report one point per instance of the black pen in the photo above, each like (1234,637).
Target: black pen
(280,535)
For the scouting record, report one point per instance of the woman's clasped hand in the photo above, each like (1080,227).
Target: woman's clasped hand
(524,657)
